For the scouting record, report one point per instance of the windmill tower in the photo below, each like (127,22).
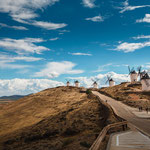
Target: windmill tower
(141,73)
(68,83)
(95,85)
(77,84)
(145,81)
(111,81)
(133,75)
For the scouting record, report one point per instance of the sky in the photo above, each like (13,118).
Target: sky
(45,42)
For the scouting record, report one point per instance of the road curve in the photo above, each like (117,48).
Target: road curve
(122,110)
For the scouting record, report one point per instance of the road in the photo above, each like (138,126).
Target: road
(122,110)
(131,140)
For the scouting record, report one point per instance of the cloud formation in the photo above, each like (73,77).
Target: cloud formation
(127,7)
(25,86)
(98,18)
(145,19)
(131,47)
(89,3)
(22,46)
(102,78)
(24,11)
(142,37)
(55,69)
(13,27)
(81,54)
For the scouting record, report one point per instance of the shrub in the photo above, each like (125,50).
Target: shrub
(67,141)
(88,91)
(85,144)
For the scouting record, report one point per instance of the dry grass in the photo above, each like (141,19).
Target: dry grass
(129,94)
(60,118)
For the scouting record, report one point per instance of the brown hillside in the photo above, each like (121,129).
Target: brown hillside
(129,94)
(60,118)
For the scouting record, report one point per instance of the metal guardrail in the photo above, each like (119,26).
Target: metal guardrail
(98,141)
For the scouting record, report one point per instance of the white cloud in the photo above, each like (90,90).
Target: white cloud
(20,46)
(142,37)
(103,67)
(54,39)
(55,69)
(24,11)
(81,54)
(48,25)
(102,78)
(127,7)
(98,18)
(89,3)
(25,86)
(145,19)
(131,47)
(13,27)
(13,58)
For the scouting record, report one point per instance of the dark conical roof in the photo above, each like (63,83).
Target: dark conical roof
(146,76)
(133,72)
(76,81)
(111,79)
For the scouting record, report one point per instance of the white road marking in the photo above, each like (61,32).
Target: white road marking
(121,134)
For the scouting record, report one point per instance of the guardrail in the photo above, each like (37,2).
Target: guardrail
(101,136)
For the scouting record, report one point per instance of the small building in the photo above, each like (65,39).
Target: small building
(133,76)
(77,84)
(68,83)
(145,81)
(111,82)
(95,85)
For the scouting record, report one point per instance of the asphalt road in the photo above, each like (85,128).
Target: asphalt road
(122,110)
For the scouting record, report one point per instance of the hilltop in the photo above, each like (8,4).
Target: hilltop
(130,94)
(61,118)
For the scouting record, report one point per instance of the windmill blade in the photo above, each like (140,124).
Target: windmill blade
(129,69)
(132,69)
(93,80)
(107,81)
(139,69)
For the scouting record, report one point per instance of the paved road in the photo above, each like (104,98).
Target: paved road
(122,110)
(131,140)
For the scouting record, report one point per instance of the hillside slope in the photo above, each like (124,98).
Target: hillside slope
(130,94)
(60,118)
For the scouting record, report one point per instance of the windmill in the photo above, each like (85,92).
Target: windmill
(68,82)
(77,83)
(95,85)
(111,81)
(141,73)
(145,81)
(133,74)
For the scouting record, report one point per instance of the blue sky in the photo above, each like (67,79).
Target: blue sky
(56,39)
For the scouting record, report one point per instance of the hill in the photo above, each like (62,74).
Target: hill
(61,118)
(8,99)
(129,94)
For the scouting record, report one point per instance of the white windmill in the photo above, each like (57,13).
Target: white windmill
(68,82)
(133,74)
(111,81)
(145,81)
(77,83)
(141,73)
(95,85)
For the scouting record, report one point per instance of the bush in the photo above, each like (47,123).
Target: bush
(67,141)
(88,91)
(85,144)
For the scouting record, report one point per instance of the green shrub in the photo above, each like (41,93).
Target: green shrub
(85,144)
(67,141)
(88,91)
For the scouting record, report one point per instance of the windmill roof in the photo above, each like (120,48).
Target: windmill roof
(146,76)
(133,72)
(76,81)
(111,79)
